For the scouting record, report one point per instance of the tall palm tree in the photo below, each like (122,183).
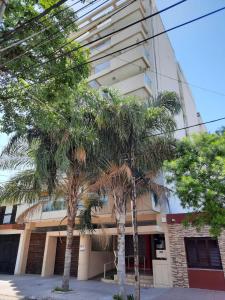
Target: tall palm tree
(63,155)
(116,181)
(130,129)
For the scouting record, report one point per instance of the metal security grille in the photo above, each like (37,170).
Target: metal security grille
(203,253)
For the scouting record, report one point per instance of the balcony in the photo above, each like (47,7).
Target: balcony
(147,203)
(138,85)
(100,22)
(121,67)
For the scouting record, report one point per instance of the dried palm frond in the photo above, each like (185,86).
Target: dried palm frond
(80,155)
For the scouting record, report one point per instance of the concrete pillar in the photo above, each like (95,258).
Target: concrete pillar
(167,241)
(21,261)
(49,256)
(84,257)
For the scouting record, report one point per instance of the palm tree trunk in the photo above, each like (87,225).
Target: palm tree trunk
(71,214)
(121,267)
(135,241)
(68,253)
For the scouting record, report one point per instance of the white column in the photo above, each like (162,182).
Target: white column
(21,261)
(49,256)
(84,257)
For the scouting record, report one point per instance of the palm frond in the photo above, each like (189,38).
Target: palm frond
(25,187)
(169,100)
(16,154)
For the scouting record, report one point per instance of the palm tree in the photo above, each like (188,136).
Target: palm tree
(130,130)
(62,156)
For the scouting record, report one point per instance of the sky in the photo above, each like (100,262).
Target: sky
(200,50)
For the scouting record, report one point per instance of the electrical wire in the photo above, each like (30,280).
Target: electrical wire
(108,34)
(186,127)
(52,37)
(36,18)
(128,47)
(41,31)
(167,132)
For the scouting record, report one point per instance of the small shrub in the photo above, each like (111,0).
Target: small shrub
(118,297)
(59,289)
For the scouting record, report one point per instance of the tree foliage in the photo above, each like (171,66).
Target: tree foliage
(199,176)
(31,88)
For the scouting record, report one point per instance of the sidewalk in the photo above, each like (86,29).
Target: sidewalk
(36,287)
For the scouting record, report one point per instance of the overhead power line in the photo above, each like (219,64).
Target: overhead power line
(166,132)
(109,34)
(186,127)
(129,46)
(100,38)
(55,34)
(36,18)
(41,31)
(175,79)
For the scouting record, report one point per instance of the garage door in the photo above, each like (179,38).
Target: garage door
(36,253)
(8,252)
(60,256)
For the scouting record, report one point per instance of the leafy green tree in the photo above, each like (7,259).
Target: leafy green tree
(28,83)
(198,173)
(133,150)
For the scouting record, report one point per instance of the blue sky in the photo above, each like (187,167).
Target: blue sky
(200,49)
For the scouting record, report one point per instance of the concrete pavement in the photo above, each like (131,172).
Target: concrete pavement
(36,287)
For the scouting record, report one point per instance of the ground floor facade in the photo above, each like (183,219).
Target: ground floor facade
(173,256)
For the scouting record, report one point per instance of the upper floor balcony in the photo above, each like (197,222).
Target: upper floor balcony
(108,72)
(109,17)
(139,86)
(53,212)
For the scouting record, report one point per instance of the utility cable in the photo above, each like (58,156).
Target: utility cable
(36,18)
(52,37)
(186,127)
(39,32)
(129,46)
(109,34)
(167,132)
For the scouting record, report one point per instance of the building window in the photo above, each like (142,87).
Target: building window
(101,45)
(147,80)
(102,66)
(54,205)
(94,84)
(8,215)
(203,253)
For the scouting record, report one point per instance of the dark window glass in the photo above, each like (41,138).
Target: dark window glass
(203,253)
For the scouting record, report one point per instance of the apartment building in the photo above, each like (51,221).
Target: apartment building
(143,70)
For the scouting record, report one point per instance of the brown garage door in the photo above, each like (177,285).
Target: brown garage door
(36,253)
(60,256)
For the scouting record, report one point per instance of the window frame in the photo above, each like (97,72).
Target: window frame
(198,265)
